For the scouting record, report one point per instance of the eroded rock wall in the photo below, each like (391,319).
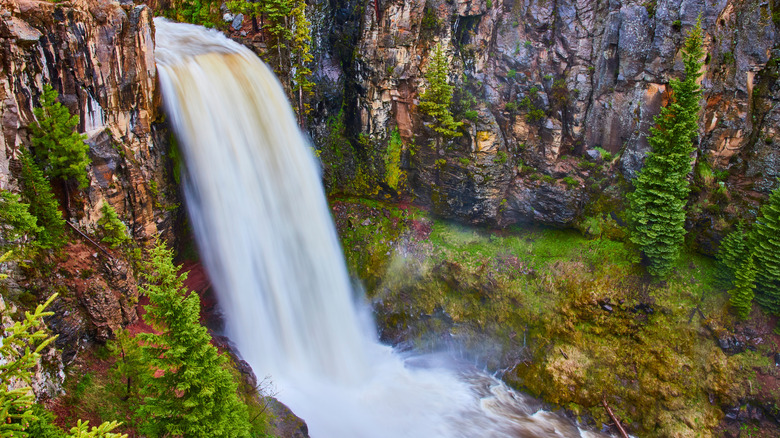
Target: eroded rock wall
(553,81)
(99,56)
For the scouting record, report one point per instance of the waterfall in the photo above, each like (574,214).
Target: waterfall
(266,237)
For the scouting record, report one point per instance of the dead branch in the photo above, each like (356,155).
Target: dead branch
(613,417)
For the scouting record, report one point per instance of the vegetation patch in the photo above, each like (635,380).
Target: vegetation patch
(571,319)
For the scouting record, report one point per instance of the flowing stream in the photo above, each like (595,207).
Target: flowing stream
(266,237)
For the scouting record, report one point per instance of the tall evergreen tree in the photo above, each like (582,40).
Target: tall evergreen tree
(37,192)
(58,147)
(765,240)
(301,57)
(742,294)
(435,100)
(191,393)
(657,206)
(732,253)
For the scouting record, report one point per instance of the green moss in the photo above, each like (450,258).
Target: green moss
(539,294)
(393,173)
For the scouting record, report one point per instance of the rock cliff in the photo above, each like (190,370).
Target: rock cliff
(99,56)
(562,95)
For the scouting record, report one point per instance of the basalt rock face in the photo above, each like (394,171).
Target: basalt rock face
(99,56)
(552,81)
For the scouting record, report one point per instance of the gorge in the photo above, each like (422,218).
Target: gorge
(273,255)
(508,245)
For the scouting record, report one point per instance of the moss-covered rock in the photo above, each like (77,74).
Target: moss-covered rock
(570,319)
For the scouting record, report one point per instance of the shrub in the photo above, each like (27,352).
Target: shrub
(570,182)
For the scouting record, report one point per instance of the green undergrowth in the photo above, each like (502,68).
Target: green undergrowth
(568,318)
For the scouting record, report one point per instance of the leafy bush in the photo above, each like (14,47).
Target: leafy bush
(606,156)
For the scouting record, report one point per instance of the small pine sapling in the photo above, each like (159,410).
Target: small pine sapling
(191,392)
(435,100)
(732,253)
(37,192)
(15,218)
(114,231)
(742,294)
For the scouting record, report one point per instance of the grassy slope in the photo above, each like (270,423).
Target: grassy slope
(533,303)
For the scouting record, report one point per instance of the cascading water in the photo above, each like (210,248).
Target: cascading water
(267,240)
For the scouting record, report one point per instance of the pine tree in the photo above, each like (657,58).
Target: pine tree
(21,349)
(732,253)
(742,293)
(37,192)
(15,218)
(57,146)
(435,100)
(114,231)
(765,240)
(657,206)
(191,394)
(300,48)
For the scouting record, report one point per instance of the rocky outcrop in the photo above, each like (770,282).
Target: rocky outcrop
(99,56)
(551,82)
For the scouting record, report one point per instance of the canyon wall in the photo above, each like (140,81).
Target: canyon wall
(561,97)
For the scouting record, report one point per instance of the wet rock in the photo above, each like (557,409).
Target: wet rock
(731,345)
(238,21)
(593,154)
(542,202)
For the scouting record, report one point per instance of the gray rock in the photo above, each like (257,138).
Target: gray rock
(237,22)
(593,154)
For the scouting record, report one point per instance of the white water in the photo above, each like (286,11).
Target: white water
(271,250)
